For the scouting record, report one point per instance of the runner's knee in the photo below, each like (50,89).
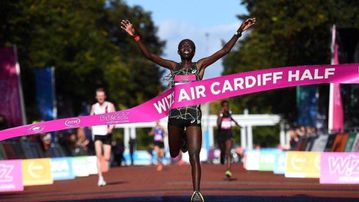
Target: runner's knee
(194,155)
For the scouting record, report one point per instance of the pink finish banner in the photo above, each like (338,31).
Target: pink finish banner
(200,92)
(339,168)
(11,176)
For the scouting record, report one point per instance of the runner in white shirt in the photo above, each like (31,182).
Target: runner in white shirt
(102,134)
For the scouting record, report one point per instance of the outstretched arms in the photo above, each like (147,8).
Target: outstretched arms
(205,62)
(129,28)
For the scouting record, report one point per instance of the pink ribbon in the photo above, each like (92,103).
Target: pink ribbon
(200,92)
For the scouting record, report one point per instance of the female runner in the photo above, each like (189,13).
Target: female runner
(185,122)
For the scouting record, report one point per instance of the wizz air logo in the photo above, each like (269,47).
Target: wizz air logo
(348,165)
(5,173)
(164,104)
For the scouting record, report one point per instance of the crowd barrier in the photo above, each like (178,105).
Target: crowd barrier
(15,174)
(25,163)
(333,159)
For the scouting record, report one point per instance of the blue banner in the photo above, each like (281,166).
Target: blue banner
(307,105)
(45,93)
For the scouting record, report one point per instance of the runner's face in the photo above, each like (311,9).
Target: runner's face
(100,97)
(225,106)
(186,49)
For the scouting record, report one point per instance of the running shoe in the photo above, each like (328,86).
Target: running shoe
(101,182)
(197,197)
(228,173)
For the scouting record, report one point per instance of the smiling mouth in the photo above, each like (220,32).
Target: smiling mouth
(186,52)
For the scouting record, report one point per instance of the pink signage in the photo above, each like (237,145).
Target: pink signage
(11,176)
(339,168)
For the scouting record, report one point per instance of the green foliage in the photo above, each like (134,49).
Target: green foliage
(143,140)
(84,42)
(266,136)
(286,33)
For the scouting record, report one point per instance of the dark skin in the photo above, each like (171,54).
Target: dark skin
(186,51)
(226,146)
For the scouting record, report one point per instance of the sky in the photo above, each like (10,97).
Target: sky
(206,22)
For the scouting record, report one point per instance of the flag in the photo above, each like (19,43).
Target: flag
(11,99)
(307,105)
(336,114)
(45,93)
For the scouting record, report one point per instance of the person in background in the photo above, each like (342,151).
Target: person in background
(118,148)
(225,141)
(132,144)
(81,143)
(158,133)
(102,134)
(46,144)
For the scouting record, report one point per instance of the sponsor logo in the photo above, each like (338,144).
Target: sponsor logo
(298,162)
(73,122)
(5,173)
(36,128)
(348,165)
(60,166)
(35,169)
(36,172)
(115,117)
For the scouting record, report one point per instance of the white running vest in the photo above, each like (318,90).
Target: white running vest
(101,129)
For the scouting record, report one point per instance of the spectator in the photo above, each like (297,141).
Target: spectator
(46,144)
(132,143)
(294,138)
(81,143)
(118,148)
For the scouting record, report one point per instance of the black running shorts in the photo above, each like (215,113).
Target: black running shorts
(183,123)
(105,139)
(224,135)
(159,144)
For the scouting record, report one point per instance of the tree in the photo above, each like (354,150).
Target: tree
(82,40)
(287,33)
